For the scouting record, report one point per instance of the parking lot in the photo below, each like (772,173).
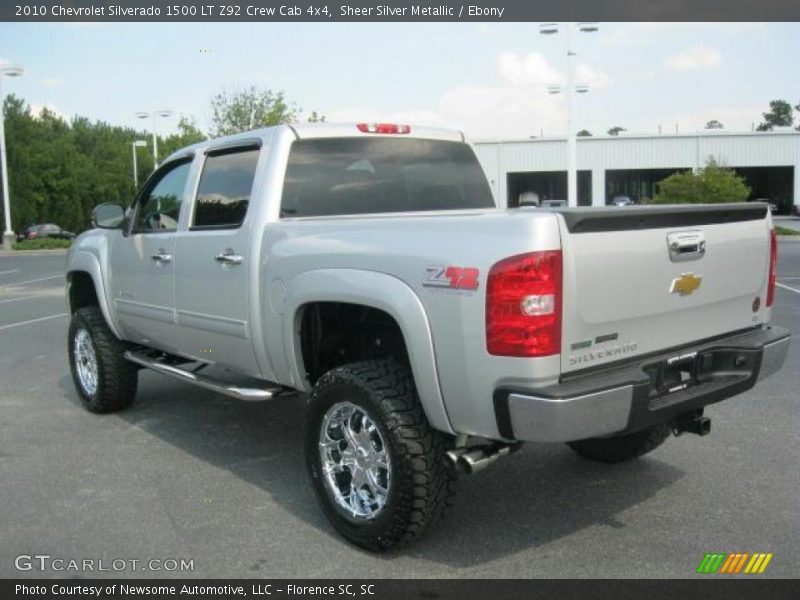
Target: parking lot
(188,474)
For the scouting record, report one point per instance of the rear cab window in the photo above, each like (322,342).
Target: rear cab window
(350,176)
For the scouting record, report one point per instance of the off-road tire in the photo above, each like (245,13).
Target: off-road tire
(624,447)
(116,377)
(422,483)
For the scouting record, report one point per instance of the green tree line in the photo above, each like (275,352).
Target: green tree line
(59,170)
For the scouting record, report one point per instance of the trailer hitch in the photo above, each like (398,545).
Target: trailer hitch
(694,423)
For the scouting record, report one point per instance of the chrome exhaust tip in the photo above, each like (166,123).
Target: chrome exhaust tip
(478,458)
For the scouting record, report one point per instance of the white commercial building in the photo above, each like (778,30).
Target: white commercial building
(631,165)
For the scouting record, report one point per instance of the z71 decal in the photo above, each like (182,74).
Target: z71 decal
(454,278)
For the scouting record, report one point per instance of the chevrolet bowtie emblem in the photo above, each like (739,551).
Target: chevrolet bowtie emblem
(685,284)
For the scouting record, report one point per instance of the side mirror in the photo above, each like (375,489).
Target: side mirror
(108,216)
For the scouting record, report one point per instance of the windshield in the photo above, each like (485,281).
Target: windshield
(346,176)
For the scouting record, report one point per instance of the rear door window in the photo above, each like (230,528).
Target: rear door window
(223,193)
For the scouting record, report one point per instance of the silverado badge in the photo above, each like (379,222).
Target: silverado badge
(685,284)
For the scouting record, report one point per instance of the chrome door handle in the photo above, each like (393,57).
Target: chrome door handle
(161,256)
(229,258)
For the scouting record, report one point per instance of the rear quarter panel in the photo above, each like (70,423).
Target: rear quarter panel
(404,247)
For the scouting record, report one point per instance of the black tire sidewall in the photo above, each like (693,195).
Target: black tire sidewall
(116,377)
(622,448)
(77,323)
(364,532)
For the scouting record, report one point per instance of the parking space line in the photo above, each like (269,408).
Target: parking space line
(9,272)
(21,323)
(786,287)
(22,298)
(16,283)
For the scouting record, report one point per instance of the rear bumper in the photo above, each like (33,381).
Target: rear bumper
(633,396)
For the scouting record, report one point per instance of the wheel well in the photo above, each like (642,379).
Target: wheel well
(337,333)
(81,290)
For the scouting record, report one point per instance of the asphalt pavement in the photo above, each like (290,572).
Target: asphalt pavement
(790,222)
(186,474)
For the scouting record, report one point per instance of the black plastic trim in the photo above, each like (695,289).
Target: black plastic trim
(233,147)
(502,413)
(216,227)
(625,218)
(642,416)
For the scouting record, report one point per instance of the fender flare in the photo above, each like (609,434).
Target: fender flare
(87,262)
(383,292)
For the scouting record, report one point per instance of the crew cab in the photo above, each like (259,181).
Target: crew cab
(368,268)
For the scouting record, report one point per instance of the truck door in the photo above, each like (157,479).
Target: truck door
(212,258)
(141,280)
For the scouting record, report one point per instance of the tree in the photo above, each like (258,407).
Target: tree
(242,110)
(713,184)
(797,108)
(58,171)
(779,115)
(616,130)
(316,118)
(584,133)
(714,124)
(188,134)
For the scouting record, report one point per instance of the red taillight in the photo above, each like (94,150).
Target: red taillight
(383,128)
(773,258)
(523,305)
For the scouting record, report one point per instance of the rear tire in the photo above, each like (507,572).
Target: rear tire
(378,468)
(104,380)
(624,447)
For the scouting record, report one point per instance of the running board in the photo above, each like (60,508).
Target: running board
(204,381)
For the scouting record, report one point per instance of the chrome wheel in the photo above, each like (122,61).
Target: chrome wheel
(85,361)
(355,460)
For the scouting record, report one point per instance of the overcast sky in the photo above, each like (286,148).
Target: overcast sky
(488,79)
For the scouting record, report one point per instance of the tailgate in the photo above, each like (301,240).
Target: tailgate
(644,279)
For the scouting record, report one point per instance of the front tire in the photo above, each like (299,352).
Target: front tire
(104,380)
(378,468)
(624,447)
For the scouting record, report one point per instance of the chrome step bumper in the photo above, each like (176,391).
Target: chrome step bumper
(623,398)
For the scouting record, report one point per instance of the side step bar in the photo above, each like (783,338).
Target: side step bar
(204,381)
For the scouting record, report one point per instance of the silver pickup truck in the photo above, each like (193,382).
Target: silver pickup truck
(367,267)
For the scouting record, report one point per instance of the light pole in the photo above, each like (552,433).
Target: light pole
(8,234)
(154,114)
(571,88)
(134,146)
